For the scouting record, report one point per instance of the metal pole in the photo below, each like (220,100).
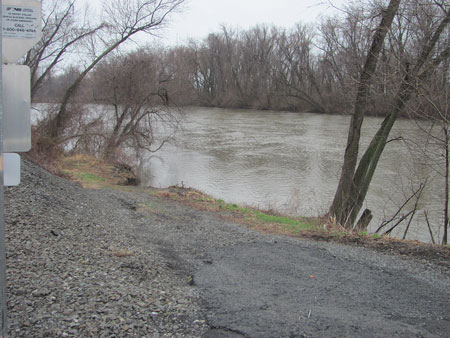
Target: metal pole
(3,323)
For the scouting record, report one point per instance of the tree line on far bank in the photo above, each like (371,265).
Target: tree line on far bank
(305,68)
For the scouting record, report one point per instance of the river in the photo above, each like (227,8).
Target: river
(291,162)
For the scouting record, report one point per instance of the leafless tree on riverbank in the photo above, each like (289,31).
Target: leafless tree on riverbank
(122,22)
(63,29)
(132,91)
(355,180)
(431,109)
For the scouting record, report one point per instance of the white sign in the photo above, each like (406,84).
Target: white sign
(11,169)
(21,28)
(20,22)
(16,108)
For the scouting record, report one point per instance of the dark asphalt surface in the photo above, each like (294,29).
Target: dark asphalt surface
(291,290)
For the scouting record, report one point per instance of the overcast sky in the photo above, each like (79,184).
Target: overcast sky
(201,17)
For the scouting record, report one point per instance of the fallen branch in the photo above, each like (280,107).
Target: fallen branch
(422,186)
(398,222)
(419,190)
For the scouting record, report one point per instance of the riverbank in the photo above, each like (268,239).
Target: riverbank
(317,229)
(134,262)
(94,173)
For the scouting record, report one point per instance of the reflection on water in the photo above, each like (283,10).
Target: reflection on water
(287,161)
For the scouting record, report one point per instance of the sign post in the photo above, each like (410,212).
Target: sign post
(21,30)
(3,324)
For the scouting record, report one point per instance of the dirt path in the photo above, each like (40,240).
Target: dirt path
(191,274)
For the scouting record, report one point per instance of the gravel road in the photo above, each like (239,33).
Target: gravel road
(108,263)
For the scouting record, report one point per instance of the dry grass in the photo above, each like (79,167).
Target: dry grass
(122,253)
(268,221)
(91,172)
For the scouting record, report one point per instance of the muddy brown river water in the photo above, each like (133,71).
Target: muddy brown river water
(291,162)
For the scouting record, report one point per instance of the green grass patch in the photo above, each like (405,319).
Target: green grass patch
(90,178)
(296,228)
(365,234)
(338,233)
(265,220)
(91,172)
(276,219)
(204,199)
(235,208)
(232,207)
(292,224)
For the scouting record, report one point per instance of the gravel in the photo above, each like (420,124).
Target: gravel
(110,263)
(77,266)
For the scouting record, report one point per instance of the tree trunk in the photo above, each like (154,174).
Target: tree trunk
(58,123)
(352,192)
(343,201)
(446,175)
(364,221)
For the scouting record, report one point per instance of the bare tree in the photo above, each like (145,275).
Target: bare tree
(133,98)
(124,21)
(431,111)
(355,181)
(203,74)
(344,202)
(296,71)
(344,42)
(180,65)
(62,30)
(258,48)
